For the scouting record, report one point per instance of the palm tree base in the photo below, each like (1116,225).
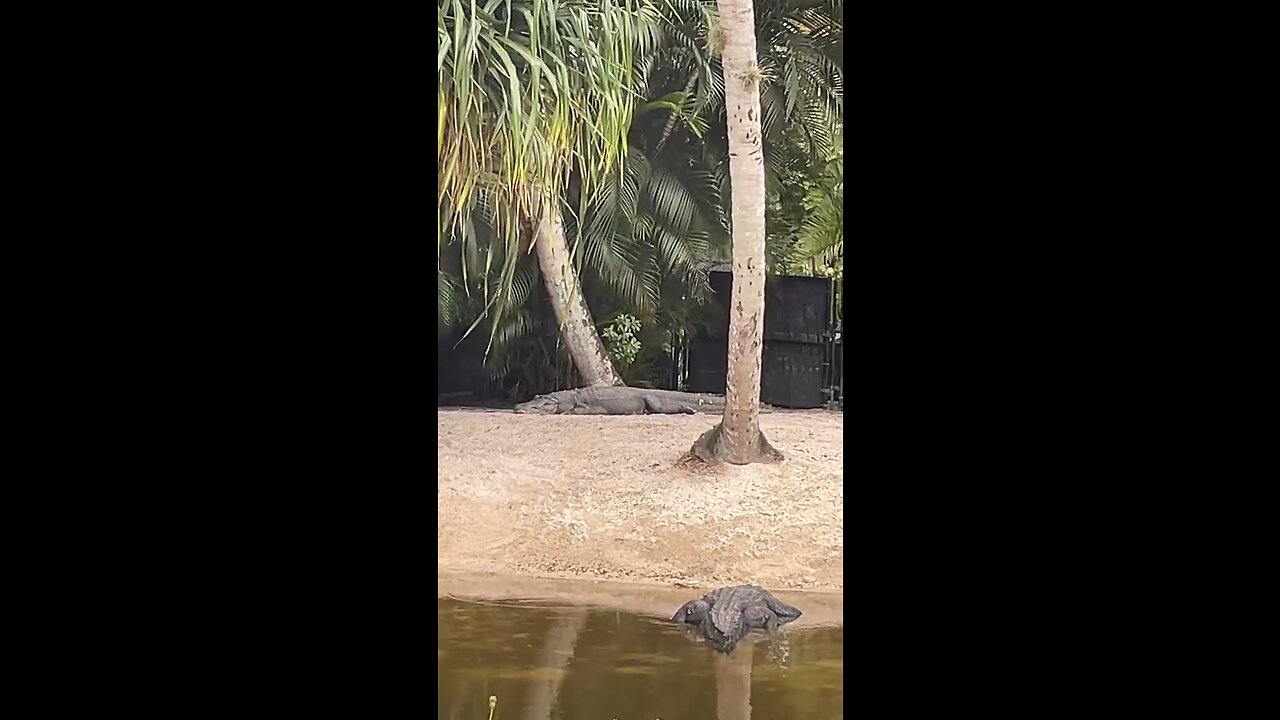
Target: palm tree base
(709,449)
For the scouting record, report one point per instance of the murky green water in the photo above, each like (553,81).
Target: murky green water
(588,664)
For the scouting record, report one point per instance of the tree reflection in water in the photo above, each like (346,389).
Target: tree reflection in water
(733,684)
(557,651)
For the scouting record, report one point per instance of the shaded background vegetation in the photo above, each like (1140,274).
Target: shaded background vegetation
(646,228)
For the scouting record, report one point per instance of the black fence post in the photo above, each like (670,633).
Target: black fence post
(829,386)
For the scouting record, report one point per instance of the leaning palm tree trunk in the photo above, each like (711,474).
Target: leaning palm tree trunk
(528,92)
(737,439)
(577,329)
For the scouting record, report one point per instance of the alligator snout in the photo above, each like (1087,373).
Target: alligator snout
(691,612)
(536,405)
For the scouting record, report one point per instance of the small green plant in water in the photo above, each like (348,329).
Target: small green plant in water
(620,336)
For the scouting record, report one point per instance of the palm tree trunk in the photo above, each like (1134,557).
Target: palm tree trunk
(737,439)
(561,278)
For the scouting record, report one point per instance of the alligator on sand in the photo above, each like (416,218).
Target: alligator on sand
(601,400)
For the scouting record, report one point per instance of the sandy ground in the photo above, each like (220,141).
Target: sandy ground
(558,496)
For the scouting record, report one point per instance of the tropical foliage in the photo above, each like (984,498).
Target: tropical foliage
(808,216)
(615,110)
(529,92)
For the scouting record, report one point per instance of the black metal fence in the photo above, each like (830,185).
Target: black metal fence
(802,363)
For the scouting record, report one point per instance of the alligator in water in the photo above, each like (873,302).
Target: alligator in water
(623,401)
(724,616)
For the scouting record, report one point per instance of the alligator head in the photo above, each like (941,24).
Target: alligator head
(785,612)
(692,612)
(540,404)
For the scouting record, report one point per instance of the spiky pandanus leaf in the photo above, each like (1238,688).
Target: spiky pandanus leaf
(530,91)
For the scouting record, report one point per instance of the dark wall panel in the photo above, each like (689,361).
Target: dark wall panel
(796,351)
